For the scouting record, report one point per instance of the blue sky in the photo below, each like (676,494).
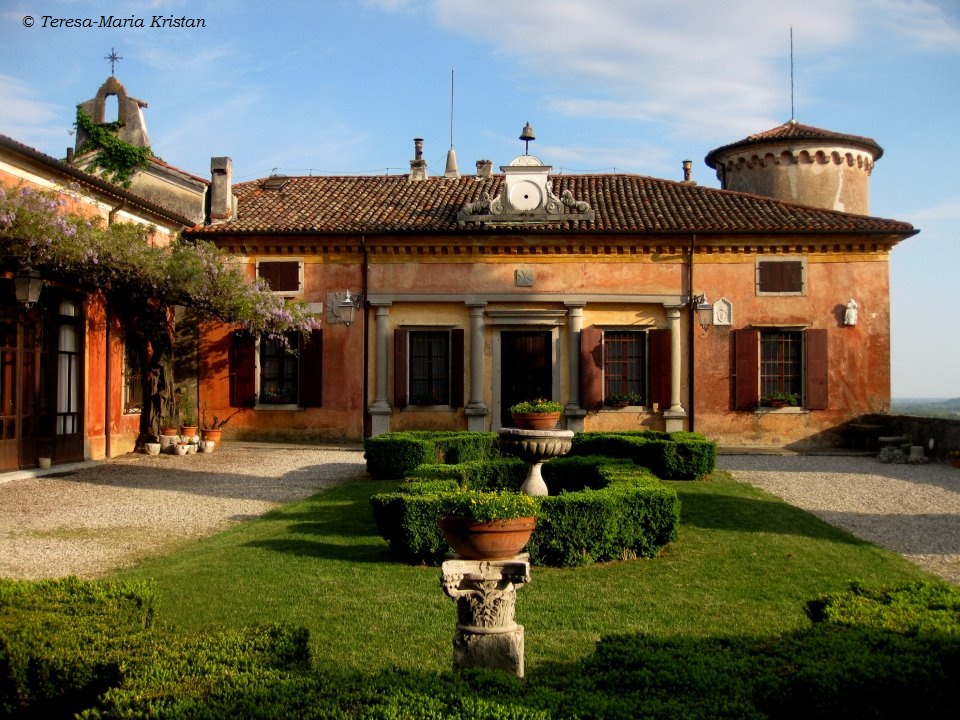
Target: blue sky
(338,86)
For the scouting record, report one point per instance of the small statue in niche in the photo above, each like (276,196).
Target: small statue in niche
(850,315)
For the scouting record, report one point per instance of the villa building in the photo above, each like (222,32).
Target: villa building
(637,302)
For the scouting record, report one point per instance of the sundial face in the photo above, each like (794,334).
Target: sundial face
(526,195)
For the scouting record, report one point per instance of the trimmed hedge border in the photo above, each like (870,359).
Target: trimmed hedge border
(68,645)
(671,456)
(605,510)
(882,653)
(396,454)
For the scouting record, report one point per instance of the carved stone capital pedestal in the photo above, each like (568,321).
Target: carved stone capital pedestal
(485,592)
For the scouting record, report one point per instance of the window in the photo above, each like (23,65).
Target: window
(780,360)
(279,370)
(614,364)
(283,276)
(781,366)
(269,372)
(781,277)
(624,367)
(132,377)
(428,367)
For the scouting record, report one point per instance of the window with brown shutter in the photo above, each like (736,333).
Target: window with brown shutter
(282,275)
(621,363)
(660,366)
(768,362)
(311,370)
(428,367)
(243,369)
(780,277)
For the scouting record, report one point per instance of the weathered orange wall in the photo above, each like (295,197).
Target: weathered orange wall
(859,355)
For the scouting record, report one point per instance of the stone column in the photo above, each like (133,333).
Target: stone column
(485,592)
(674,417)
(476,409)
(573,413)
(380,410)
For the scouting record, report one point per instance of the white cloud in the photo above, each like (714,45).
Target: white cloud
(701,69)
(29,120)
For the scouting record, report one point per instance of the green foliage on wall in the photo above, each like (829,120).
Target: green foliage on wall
(116,158)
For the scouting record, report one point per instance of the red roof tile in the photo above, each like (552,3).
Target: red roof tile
(622,203)
(792,130)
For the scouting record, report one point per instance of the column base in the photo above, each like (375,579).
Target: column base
(674,420)
(477,416)
(500,651)
(574,417)
(379,419)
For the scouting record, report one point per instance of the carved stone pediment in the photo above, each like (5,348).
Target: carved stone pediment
(526,197)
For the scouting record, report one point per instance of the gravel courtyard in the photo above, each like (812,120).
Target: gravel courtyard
(913,510)
(90,521)
(87,522)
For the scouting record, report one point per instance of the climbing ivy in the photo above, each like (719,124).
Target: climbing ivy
(118,159)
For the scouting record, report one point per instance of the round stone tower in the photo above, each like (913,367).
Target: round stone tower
(801,164)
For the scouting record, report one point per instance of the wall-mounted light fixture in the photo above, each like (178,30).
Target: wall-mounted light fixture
(342,307)
(704,310)
(28,284)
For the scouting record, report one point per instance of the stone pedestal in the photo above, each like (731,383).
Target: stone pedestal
(536,447)
(485,592)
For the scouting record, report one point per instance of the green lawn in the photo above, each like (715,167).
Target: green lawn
(744,564)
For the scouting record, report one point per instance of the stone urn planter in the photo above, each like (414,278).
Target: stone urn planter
(151,448)
(536,447)
(491,540)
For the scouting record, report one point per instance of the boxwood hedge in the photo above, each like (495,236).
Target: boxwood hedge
(671,456)
(882,653)
(395,454)
(604,510)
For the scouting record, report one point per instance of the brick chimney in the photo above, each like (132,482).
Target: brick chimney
(222,200)
(484,169)
(688,171)
(418,166)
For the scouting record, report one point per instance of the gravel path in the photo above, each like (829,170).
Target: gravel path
(87,522)
(913,510)
(90,521)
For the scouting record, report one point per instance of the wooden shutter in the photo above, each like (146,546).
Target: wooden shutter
(746,384)
(815,352)
(283,276)
(243,369)
(456,367)
(591,368)
(780,276)
(311,371)
(659,364)
(400,368)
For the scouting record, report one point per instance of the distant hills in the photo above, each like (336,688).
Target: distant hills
(927,407)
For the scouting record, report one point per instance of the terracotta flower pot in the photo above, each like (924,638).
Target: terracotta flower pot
(487,541)
(535,421)
(168,431)
(189,430)
(214,435)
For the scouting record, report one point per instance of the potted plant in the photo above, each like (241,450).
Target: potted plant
(213,429)
(536,414)
(623,400)
(487,525)
(781,399)
(188,414)
(953,457)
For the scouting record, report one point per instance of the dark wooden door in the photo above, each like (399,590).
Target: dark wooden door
(19,390)
(526,369)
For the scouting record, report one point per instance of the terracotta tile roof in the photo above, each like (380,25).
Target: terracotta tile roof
(792,130)
(622,203)
(92,181)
